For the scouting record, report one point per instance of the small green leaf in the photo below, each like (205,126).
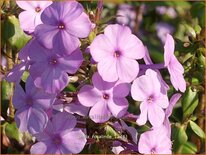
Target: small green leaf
(189,102)
(12,32)
(182,136)
(188,148)
(110,132)
(12,131)
(197,130)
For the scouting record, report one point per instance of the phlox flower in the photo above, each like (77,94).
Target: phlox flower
(49,69)
(116,52)
(147,89)
(155,141)
(60,136)
(63,24)
(31,105)
(104,98)
(175,69)
(30,17)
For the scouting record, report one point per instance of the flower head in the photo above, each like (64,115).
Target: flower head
(116,52)
(175,69)
(49,69)
(155,141)
(60,136)
(30,105)
(146,89)
(105,98)
(63,24)
(30,17)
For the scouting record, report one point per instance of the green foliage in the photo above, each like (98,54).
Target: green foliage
(197,130)
(13,34)
(189,102)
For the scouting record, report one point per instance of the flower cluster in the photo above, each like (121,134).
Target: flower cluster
(55,54)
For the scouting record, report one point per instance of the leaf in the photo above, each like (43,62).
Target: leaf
(188,148)
(189,102)
(182,136)
(12,32)
(12,131)
(197,130)
(110,132)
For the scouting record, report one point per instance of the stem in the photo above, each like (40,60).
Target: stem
(152,66)
(10,66)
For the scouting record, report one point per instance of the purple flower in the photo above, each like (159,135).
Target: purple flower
(155,141)
(175,69)
(116,52)
(146,89)
(30,105)
(30,18)
(168,112)
(60,136)
(63,24)
(169,11)
(163,29)
(126,15)
(105,98)
(50,69)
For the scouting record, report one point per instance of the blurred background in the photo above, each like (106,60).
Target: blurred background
(150,21)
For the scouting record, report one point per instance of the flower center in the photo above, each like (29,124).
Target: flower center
(29,100)
(150,99)
(61,25)
(106,96)
(153,151)
(53,61)
(57,140)
(117,54)
(38,9)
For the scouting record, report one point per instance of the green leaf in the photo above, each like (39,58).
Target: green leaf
(12,131)
(12,32)
(189,102)
(188,148)
(182,136)
(197,130)
(190,30)
(110,132)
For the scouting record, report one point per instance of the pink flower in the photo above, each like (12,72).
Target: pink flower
(30,18)
(116,52)
(146,89)
(175,69)
(105,98)
(155,142)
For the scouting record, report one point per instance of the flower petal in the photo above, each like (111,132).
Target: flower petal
(37,120)
(143,114)
(45,35)
(156,115)
(73,142)
(118,107)
(172,103)
(21,118)
(121,90)
(80,27)
(168,49)
(71,63)
(100,113)
(107,69)
(127,69)
(19,97)
(101,48)
(63,121)
(89,96)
